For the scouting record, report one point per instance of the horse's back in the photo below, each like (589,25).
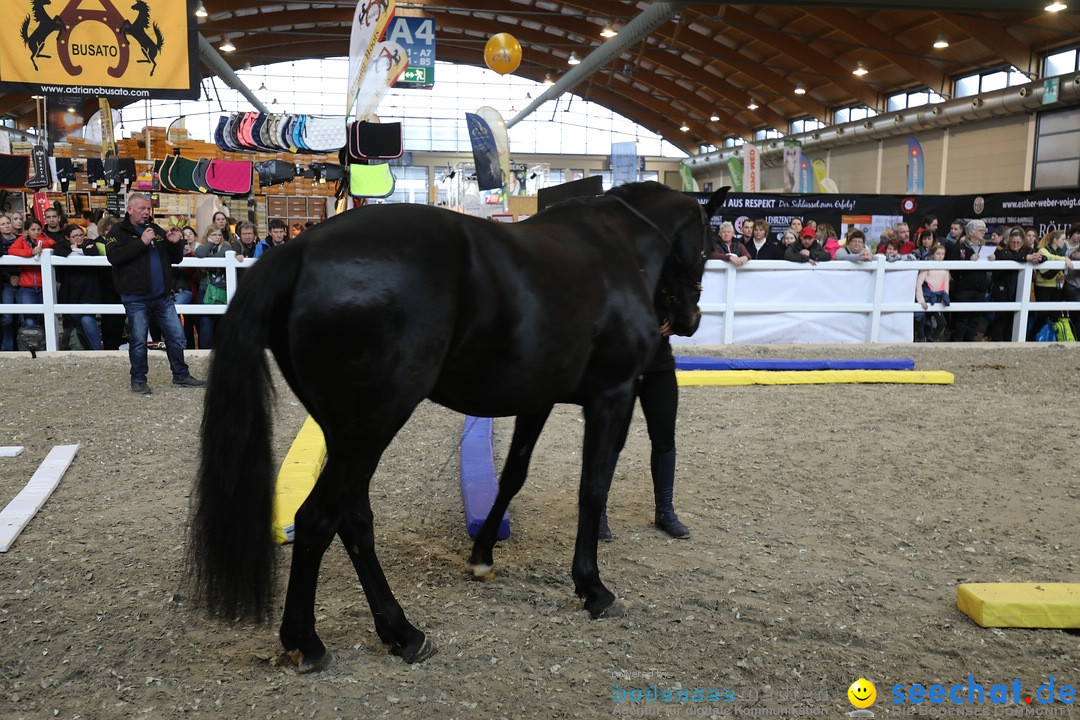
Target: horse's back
(483,317)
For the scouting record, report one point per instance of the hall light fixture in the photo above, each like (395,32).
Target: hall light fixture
(608,31)
(753,104)
(227,46)
(548,80)
(1056,6)
(714,117)
(684,127)
(573,59)
(200,10)
(800,90)
(262,87)
(941,43)
(247,66)
(860,70)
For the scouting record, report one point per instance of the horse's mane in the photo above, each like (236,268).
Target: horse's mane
(625,191)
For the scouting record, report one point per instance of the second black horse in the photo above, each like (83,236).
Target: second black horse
(374,310)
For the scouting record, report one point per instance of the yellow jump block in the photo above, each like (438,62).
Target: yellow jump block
(297,476)
(811,377)
(1026,605)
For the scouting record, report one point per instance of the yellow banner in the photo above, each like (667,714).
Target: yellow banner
(119,48)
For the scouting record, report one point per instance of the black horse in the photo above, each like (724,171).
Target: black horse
(374,310)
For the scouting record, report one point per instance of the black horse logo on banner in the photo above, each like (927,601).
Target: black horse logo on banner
(46,26)
(138,31)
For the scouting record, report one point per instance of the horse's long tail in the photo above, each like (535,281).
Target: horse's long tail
(230,552)
(25,32)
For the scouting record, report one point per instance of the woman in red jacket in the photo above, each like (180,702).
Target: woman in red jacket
(29,291)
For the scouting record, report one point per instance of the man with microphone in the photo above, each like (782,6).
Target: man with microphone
(141,254)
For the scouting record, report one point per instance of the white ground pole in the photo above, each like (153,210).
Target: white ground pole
(10,450)
(25,505)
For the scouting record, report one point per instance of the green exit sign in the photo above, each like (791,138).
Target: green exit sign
(416,77)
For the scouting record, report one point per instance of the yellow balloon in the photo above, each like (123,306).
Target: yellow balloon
(502,53)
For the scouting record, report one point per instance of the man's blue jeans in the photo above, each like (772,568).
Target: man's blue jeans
(9,322)
(163,311)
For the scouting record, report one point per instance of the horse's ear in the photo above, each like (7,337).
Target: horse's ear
(716,201)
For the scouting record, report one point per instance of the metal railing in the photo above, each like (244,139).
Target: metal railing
(1022,305)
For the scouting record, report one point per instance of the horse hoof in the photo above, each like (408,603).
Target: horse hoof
(483,572)
(427,649)
(610,609)
(311,663)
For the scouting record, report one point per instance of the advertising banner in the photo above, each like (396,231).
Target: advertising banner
(916,172)
(370,20)
(734,168)
(105,48)
(751,157)
(1042,210)
(485,153)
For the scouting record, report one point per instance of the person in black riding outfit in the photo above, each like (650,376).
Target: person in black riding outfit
(658,393)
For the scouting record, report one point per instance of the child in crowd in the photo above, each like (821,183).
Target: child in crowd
(931,287)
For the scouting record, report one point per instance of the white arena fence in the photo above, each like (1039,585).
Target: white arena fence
(763,301)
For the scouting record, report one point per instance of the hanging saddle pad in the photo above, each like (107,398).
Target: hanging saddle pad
(285,130)
(14,170)
(198,175)
(232,132)
(165,171)
(298,132)
(232,177)
(268,133)
(379,141)
(372,181)
(243,131)
(257,133)
(324,133)
(219,133)
(326,171)
(181,174)
(274,172)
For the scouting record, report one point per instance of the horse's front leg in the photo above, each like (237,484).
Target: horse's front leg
(603,421)
(526,431)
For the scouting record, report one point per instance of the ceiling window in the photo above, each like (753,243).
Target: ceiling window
(733,142)
(767,134)
(804,125)
(1060,63)
(988,81)
(912,99)
(852,113)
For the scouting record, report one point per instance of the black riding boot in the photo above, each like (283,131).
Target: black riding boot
(663,476)
(605,532)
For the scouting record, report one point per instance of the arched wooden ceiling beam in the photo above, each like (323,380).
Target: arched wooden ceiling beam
(993,37)
(803,54)
(878,41)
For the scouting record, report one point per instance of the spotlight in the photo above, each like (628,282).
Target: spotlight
(1056,6)
(800,90)
(200,10)
(684,127)
(714,117)
(941,43)
(548,80)
(227,46)
(574,59)
(860,70)
(608,31)
(753,104)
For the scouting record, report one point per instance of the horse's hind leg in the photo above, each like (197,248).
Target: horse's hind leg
(316,522)
(392,626)
(526,431)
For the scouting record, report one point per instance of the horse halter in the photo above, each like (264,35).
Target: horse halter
(669,299)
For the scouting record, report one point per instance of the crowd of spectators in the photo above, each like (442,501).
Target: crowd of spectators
(806,241)
(24,236)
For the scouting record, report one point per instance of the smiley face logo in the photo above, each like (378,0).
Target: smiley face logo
(862,693)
